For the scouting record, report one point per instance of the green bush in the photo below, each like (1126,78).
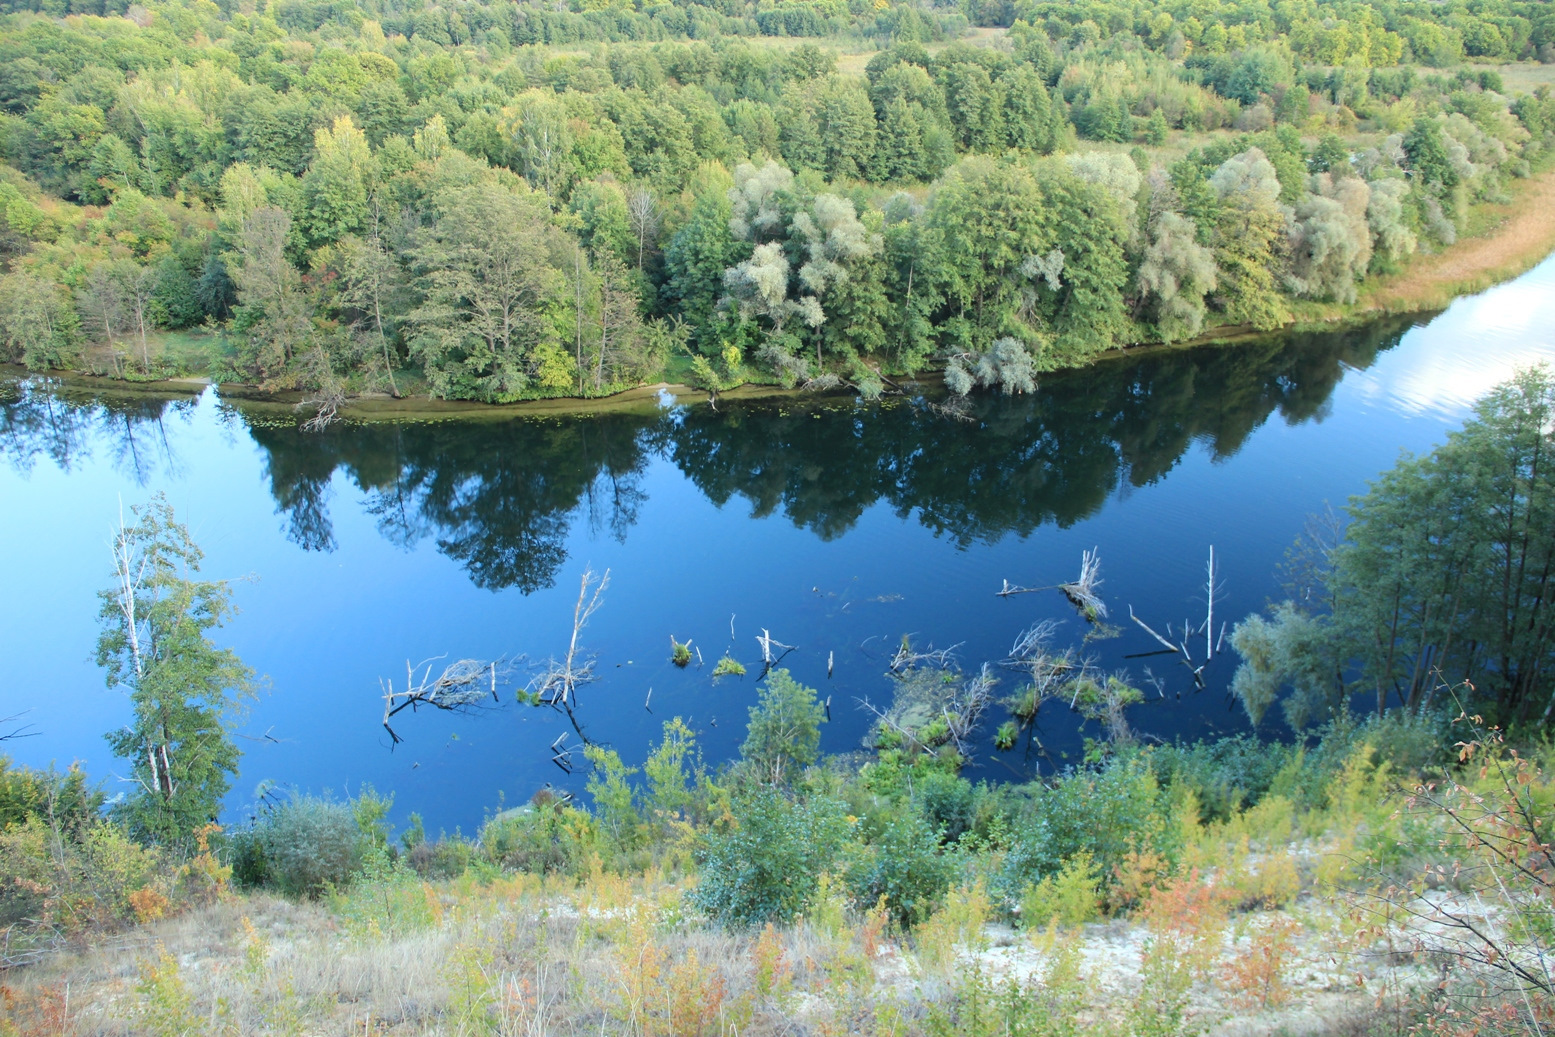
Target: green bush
(542,837)
(1229,774)
(766,867)
(74,884)
(784,734)
(1105,812)
(1069,897)
(301,848)
(64,799)
(443,859)
(947,803)
(905,864)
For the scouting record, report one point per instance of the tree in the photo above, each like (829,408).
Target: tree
(642,212)
(1175,275)
(371,282)
(101,305)
(1449,561)
(1330,243)
(273,308)
(834,242)
(1249,224)
(137,286)
(337,183)
(695,260)
(784,734)
(486,276)
(622,353)
(1446,573)
(1392,237)
(184,691)
(37,327)
(987,218)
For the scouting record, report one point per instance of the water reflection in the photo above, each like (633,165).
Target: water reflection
(1018,464)
(500,497)
(43,418)
(1475,345)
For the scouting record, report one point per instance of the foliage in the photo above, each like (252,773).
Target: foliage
(1069,897)
(1438,577)
(784,734)
(313,180)
(766,867)
(183,690)
(303,847)
(728,666)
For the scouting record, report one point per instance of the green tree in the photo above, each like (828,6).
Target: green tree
(695,260)
(485,272)
(1249,227)
(784,734)
(184,692)
(337,183)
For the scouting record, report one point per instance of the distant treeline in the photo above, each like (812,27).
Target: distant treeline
(360,197)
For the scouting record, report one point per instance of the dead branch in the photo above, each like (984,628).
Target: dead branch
(558,683)
(459,687)
(1081,592)
(1212,643)
(907,659)
(887,720)
(770,658)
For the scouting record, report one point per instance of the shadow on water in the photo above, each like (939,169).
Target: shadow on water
(500,497)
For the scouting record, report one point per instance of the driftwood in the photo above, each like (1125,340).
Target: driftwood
(1187,636)
(773,651)
(1081,592)
(459,687)
(558,683)
(907,659)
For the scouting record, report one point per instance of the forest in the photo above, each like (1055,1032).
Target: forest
(503,201)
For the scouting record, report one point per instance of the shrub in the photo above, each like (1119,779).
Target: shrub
(766,868)
(64,799)
(1227,774)
(76,884)
(542,838)
(905,865)
(954,928)
(443,859)
(947,802)
(784,734)
(301,848)
(728,666)
(1070,897)
(1110,813)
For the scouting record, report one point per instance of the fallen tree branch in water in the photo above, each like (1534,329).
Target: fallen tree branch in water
(461,686)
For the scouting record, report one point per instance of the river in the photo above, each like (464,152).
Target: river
(837,526)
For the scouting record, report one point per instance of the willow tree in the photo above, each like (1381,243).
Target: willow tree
(183,690)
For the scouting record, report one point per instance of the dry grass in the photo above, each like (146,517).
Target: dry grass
(1520,234)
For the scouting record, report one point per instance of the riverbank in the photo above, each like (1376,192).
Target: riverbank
(1503,241)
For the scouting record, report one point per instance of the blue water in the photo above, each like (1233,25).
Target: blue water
(838,526)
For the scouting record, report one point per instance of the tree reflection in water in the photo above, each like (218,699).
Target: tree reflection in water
(42,418)
(501,496)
